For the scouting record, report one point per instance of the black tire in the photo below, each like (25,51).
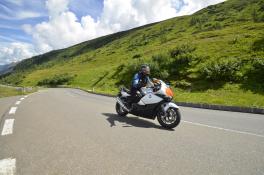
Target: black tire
(120,111)
(171,125)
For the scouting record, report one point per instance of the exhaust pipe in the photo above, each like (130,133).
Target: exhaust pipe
(119,101)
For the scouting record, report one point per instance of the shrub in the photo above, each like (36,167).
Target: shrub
(240,5)
(162,59)
(159,70)
(258,45)
(163,39)
(56,80)
(182,49)
(254,15)
(258,64)
(195,20)
(216,26)
(222,70)
(183,58)
(198,21)
(183,84)
(257,15)
(257,70)
(254,75)
(164,74)
(136,56)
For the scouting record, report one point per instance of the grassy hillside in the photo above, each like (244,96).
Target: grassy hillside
(213,56)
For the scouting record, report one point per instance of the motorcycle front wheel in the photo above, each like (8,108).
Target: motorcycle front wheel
(120,111)
(170,119)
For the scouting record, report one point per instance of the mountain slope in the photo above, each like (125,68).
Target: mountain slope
(222,44)
(4,69)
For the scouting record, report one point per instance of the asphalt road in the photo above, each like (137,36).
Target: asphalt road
(68,131)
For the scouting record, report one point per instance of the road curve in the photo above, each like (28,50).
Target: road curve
(68,131)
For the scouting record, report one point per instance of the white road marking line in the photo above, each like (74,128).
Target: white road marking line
(13,110)
(22,98)
(224,129)
(18,102)
(8,166)
(25,96)
(8,127)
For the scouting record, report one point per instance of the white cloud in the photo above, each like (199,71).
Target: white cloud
(191,6)
(19,11)
(56,7)
(15,51)
(64,29)
(16,2)
(27,28)
(28,14)
(20,15)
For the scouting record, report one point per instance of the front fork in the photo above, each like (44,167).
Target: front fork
(119,101)
(166,106)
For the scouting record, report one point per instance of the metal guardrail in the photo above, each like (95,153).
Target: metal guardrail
(20,89)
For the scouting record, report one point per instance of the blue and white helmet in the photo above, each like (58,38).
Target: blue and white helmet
(145,69)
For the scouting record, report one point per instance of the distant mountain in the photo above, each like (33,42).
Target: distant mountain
(2,67)
(7,68)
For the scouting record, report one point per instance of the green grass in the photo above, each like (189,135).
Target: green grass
(7,91)
(228,39)
(230,95)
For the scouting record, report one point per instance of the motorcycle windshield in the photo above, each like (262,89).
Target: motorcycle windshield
(145,90)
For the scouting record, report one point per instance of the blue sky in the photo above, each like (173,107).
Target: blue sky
(31,27)
(15,13)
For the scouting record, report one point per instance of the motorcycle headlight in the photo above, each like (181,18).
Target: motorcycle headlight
(169,92)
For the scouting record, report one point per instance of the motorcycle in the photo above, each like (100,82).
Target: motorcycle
(155,102)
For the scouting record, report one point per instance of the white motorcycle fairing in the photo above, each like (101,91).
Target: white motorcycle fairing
(168,105)
(149,99)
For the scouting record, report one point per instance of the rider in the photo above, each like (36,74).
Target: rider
(140,79)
